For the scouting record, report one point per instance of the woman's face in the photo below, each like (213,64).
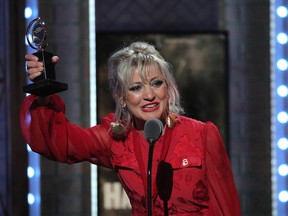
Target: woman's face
(147,98)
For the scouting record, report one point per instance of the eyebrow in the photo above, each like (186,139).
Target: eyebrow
(149,81)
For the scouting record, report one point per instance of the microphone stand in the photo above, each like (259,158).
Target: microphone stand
(152,130)
(149,175)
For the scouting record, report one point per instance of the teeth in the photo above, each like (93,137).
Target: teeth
(150,106)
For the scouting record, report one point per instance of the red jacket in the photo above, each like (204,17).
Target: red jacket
(191,172)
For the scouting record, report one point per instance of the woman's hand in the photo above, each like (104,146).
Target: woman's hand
(35,67)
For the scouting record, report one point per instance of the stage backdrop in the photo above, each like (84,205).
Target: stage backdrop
(199,63)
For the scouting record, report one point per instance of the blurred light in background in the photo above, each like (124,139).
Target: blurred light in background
(93,99)
(282,38)
(33,169)
(279,105)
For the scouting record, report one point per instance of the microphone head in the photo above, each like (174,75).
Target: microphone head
(152,130)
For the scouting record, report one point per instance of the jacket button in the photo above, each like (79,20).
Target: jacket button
(185,162)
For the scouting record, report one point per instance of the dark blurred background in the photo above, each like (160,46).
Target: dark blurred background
(244,26)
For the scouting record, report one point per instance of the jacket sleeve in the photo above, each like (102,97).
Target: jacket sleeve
(49,133)
(223,195)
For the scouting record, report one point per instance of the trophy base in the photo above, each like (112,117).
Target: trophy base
(45,87)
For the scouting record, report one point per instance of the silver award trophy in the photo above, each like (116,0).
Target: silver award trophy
(46,83)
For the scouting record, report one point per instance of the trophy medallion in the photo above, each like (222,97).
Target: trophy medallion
(46,83)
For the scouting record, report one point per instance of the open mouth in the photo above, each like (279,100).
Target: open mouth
(150,107)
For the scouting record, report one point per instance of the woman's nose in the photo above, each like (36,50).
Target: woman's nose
(149,93)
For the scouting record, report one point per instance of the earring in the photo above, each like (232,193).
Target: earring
(170,120)
(123,111)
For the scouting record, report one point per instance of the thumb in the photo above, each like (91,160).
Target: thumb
(55,59)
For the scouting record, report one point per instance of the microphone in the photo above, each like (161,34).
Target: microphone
(152,131)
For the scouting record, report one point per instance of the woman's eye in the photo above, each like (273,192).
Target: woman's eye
(135,88)
(157,83)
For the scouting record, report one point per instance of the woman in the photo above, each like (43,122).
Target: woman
(191,173)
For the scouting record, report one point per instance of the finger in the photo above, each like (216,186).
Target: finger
(33,64)
(31,57)
(34,75)
(55,59)
(32,71)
